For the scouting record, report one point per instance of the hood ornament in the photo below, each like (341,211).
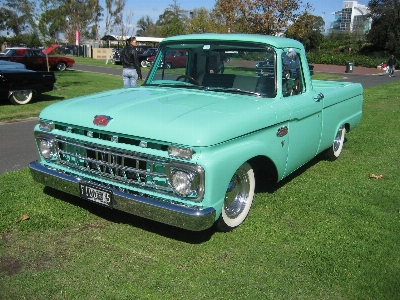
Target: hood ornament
(101,120)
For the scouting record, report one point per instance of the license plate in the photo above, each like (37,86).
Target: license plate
(96,194)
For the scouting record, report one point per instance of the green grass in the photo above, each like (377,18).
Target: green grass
(95,62)
(329,231)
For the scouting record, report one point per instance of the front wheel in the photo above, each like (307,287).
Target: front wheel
(21,97)
(238,199)
(336,149)
(143,63)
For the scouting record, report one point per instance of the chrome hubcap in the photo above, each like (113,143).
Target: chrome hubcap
(237,194)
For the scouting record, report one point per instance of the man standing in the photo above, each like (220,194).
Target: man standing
(131,68)
(391,65)
(4,46)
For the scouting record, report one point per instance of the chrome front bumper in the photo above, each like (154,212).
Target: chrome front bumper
(191,219)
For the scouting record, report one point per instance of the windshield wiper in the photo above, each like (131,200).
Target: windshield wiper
(182,84)
(231,90)
(206,88)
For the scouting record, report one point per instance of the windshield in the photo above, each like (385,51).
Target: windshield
(229,67)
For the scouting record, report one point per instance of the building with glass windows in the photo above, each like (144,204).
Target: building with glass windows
(351,18)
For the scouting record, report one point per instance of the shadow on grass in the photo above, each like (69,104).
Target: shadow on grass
(117,216)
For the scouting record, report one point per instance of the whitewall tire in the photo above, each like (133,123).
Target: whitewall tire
(238,198)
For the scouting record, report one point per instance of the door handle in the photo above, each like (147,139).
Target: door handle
(319,97)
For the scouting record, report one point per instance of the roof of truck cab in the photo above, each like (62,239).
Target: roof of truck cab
(275,41)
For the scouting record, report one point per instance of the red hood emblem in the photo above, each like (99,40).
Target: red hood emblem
(101,120)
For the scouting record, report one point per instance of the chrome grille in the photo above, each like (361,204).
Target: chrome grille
(125,167)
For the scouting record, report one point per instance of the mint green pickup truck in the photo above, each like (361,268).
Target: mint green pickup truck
(188,147)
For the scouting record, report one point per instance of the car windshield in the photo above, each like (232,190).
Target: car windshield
(149,51)
(230,67)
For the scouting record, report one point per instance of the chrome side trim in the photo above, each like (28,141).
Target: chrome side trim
(179,216)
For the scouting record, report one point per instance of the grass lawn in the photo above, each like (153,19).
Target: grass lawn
(329,231)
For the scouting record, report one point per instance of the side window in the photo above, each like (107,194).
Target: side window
(12,52)
(292,75)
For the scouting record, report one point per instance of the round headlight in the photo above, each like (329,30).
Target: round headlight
(46,147)
(182,182)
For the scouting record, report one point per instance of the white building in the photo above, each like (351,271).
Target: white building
(351,18)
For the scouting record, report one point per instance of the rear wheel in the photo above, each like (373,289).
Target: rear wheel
(336,149)
(21,97)
(238,199)
(61,66)
(168,65)
(143,63)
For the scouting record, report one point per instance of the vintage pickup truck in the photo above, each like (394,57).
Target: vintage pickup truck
(188,147)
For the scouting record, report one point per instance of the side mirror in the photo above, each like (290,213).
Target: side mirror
(291,54)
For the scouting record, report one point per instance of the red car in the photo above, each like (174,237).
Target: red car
(173,59)
(35,59)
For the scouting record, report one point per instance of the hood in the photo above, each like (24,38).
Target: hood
(49,49)
(174,115)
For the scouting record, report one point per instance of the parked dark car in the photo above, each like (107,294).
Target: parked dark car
(141,49)
(19,84)
(35,59)
(143,57)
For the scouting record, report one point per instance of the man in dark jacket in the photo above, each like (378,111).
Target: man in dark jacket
(391,65)
(131,72)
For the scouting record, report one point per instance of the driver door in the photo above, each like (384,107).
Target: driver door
(305,123)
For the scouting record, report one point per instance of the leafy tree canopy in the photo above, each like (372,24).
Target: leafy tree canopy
(307,29)
(385,30)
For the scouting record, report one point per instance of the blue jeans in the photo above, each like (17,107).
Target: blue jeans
(130,78)
(391,70)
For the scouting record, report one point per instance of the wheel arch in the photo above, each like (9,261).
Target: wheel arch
(265,171)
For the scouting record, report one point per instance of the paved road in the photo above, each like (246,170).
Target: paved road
(17,145)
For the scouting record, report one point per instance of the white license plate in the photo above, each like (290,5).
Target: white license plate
(96,194)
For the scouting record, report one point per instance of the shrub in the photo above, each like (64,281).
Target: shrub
(340,58)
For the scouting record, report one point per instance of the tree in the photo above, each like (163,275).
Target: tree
(200,21)
(146,27)
(385,28)
(125,27)
(51,25)
(172,21)
(67,16)
(270,17)
(232,16)
(308,29)
(114,15)
(16,15)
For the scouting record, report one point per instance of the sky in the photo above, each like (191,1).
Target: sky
(323,8)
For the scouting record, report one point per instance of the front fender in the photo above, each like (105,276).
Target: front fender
(221,161)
